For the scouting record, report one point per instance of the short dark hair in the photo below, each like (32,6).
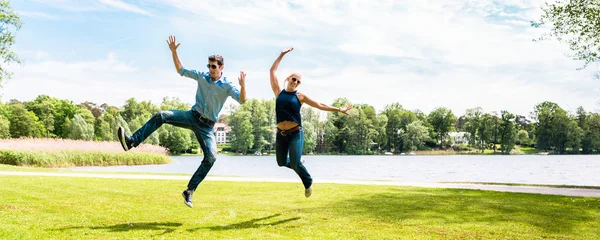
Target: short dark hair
(218,58)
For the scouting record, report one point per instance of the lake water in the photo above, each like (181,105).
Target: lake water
(530,169)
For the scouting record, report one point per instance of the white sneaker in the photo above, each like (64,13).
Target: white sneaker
(308,191)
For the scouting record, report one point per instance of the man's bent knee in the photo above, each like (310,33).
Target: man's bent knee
(162,116)
(210,160)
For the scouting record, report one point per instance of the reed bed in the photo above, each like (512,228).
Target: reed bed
(56,145)
(69,153)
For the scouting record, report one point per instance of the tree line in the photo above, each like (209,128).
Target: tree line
(363,131)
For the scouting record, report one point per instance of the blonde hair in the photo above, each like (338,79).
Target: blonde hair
(297,74)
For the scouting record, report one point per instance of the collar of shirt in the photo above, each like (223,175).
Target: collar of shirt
(209,78)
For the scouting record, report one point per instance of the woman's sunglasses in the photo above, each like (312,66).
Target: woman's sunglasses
(295,80)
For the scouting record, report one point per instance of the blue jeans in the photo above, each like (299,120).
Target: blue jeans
(190,120)
(292,144)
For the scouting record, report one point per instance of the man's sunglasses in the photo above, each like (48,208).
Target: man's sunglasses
(295,80)
(211,66)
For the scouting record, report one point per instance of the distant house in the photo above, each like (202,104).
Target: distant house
(221,132)
(459,137)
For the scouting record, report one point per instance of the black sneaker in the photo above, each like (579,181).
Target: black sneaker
(125,140)
(187,197)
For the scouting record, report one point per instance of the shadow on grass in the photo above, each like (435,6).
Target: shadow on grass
(166,227)
(248,224)
(550,214)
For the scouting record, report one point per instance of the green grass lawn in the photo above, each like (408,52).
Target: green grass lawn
(90,208)
(11,168)
(530,185)
(529,150)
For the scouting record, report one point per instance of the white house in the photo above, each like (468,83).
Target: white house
(221,131)
(459,137)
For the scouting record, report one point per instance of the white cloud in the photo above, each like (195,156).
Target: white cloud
(37,15)
(125,7)
(89,6)
(423,54)
(71,5)
(106,80)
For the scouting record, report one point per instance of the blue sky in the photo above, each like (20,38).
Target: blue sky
(423,54)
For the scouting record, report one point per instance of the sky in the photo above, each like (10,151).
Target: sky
(423,54)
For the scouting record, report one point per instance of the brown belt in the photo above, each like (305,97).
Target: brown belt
(289,131)
(203,119)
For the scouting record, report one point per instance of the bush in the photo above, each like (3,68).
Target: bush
(460,147)
(226,147)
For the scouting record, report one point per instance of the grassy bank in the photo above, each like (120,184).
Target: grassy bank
(44,152)
(53,145)
(88,208)
(78,158)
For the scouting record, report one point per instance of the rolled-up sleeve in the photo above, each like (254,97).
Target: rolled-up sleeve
(193,74)
(234,93)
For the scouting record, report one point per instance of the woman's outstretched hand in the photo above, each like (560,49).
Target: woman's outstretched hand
(287,50)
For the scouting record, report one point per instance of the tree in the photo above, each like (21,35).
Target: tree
(393,126)
(8,20)
(360,128)
(269,135)
(591,134)
(472,122)
(24,123)
(485,130)
(508,132)
(415,135)
(581,117)
(4,127)
(522,122)
(574,136)
(80,129)
(555,129)
(522,137)
(66,127)
(86,114)
(460,124)
(310,138)
(330,137)
(176,139)
(259,120)
(442,120)
(241,131)
(544,115)
(380,126)
(168,103)
(102,130)
(336,130)
(310,124)
(44,108)
(94,108)
(64,110)
(576,22)
(495,123)
(133,109)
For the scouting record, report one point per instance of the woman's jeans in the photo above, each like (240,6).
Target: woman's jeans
(292,144)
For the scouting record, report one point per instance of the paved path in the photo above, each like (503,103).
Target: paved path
(583,192)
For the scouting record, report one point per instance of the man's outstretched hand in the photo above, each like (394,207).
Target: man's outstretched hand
(242,78)
(171,41)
